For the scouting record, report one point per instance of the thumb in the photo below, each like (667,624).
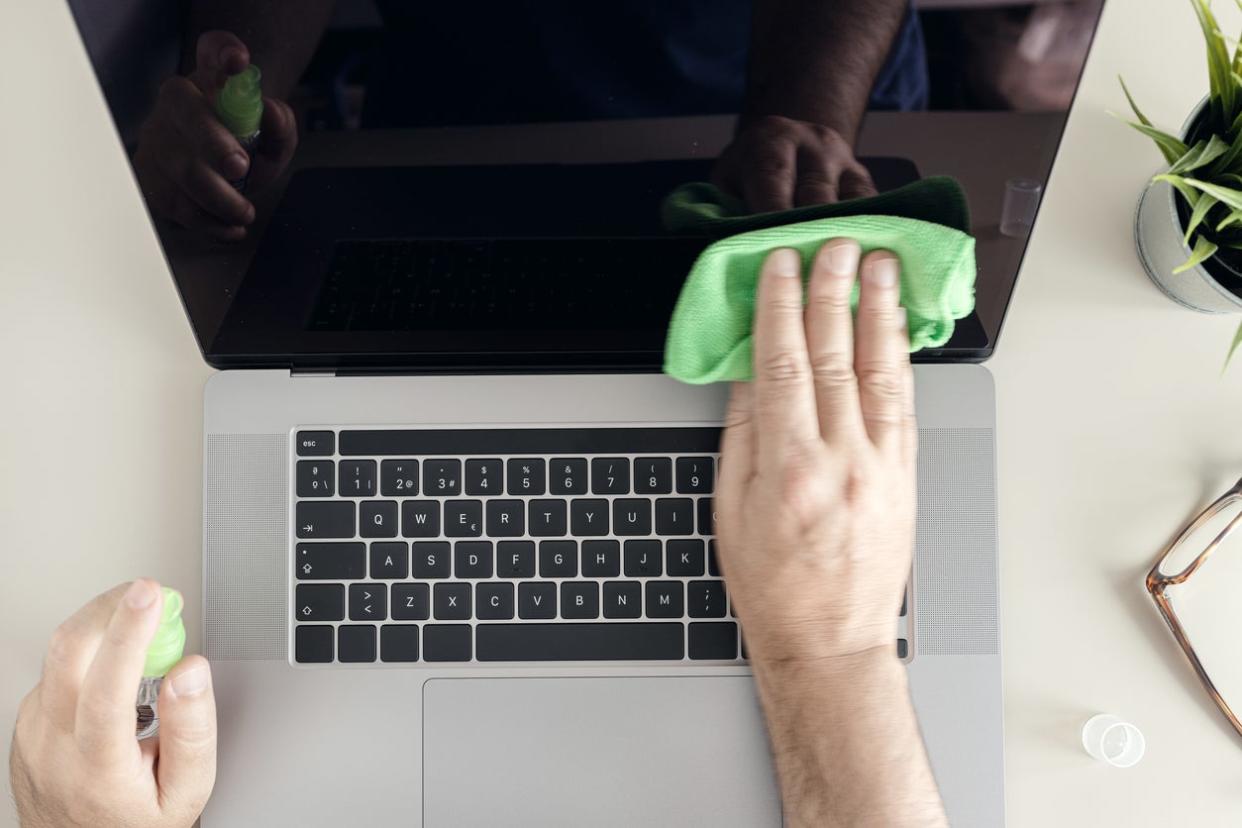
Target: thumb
(187,754)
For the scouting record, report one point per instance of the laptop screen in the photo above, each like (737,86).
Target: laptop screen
(383,185)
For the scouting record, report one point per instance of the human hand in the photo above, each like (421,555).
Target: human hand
(186,157)
(76,760)
(816,497)
(776,163)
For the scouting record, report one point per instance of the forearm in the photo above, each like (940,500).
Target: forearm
(847,744)
(816,61)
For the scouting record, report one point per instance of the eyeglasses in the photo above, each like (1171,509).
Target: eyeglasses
(1227,509)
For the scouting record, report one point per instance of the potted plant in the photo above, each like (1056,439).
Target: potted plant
(1189,222)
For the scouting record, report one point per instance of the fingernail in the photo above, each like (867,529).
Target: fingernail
(787,262)
(191,682)
(140,595)
(902,321)
(843,259)
(238,164)
(882,272)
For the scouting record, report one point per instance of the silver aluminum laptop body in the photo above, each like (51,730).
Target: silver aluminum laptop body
(560,744)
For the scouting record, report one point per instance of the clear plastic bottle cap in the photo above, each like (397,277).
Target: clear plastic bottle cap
(1113,741)
(1019,207)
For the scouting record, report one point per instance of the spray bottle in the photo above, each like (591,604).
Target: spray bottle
(239,106)
(165,651)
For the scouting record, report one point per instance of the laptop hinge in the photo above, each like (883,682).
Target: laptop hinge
(311,372)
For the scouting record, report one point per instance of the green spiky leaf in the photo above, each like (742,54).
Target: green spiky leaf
(1228,195)
(1171,147)
(1190,194)
(1220,65)
(1138,113)
(1200,155)
(1233,346)
(1197,215)
(1202,251)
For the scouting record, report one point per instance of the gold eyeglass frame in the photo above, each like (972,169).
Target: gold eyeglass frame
(1158,582)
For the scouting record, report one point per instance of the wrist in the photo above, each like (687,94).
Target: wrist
(849,675)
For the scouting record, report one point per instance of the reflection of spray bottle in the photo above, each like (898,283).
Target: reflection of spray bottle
(239,106)
(164,652)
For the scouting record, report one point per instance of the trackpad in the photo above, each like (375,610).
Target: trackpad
(596,751)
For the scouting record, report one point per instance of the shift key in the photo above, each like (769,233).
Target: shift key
(330,561)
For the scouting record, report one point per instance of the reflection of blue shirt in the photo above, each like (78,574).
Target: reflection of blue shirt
(558,60)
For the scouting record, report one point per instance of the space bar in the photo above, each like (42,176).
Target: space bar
(579,642)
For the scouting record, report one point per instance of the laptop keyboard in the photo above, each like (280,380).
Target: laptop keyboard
(508,545)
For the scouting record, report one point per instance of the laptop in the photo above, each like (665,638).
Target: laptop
(459,561)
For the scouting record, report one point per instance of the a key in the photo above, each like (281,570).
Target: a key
(316,444)
(411,602)
(506,518)
(356,478)
(441,478)
(706,599)
(536,599)
(558,559)
(515,559)
(420,519)
(643,558)
(694,475)
(377,518)
(355,643)
(315,478)
(324,519)
(568,476)
(707,516)
(399,478)
(314,644)
(368,602)
(623,599)
(579,599)
(664,599)
(484,477)
(631,516)
(494,602)
(472,559)
(588,518)
(451,602)
(685,557)
(546,519)
(674,516)
(319,602)
(610,475)
(612,641)
(526,476)
(601,559)
(398,643)
(330,561)
(714,641)
(390,560)
(446,642)
(653,475)
(463,518)
(430,559)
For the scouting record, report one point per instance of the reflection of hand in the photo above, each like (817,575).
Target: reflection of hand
(186,157)
(775,163)
(816,497)
(76,761)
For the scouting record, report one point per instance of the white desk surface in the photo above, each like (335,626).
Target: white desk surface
(1114,421)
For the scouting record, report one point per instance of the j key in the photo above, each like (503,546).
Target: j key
(446,642)
(494,602)
(707,516)
(319,602)
(568,476)
(612,641)
(441,477)
(713,641)
(713,565)
(355,643)
(694,475)
(377,518)
(653,475)
(706,599)
(546,518)
(368,602)
(330,561)
(420,519)
(643,558)
(399,478)
(631,516)
(685,557)
(610,475)
(398,643)
(664,599)
(316,444)
(472,559)
(463,518)
(430,559)
(485,477)
(515,559)
(623,599)
(558,559)
(315,478)
(411,602)
(451,602)
(579,599)
(390,560)
(356,478)
(536,600)
(588,518)
(601,559)
(674,516)
(314,644)
(324,519)
(506,518)
(526,476)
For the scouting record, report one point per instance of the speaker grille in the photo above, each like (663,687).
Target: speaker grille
(956,574)
(245,541)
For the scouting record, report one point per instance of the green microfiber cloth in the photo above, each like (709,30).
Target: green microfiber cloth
(709,338)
